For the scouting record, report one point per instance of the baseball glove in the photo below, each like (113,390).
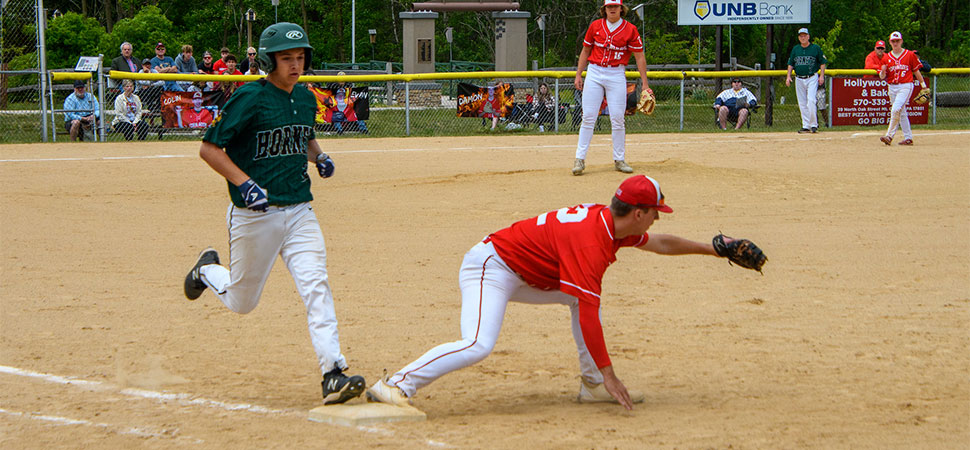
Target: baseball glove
(647,103)
(923,97)
(740,251)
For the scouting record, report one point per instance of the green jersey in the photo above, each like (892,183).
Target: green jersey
(806,60)
(265,132)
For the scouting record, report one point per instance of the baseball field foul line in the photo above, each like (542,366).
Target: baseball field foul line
(141,431)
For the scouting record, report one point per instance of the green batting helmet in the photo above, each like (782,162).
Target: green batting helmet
(278,37)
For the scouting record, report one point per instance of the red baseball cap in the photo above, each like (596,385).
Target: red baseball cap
(880,44)
(643,192)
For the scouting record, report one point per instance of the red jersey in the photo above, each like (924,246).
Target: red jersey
(219,66)
(612,49)
(196,119)
(568,250)
(900,70)
(874,62)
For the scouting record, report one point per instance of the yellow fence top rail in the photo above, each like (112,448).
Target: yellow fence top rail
(61,76)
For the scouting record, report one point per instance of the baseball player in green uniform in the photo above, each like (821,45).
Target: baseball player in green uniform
(262,143)
(805,60)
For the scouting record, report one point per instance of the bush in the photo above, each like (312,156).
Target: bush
(71,36)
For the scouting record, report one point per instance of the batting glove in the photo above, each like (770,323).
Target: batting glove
(254,196)
(325,165)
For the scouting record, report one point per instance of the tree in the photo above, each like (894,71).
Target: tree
(71,36)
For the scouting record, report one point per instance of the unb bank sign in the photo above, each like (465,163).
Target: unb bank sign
(713,12)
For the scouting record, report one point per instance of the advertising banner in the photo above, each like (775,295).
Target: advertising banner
(492,101)
(189,109)
(715,12)
(352,102)
(865,101)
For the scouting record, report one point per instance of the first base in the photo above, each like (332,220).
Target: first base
(365,414)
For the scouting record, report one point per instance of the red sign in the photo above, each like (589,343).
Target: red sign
(865,101)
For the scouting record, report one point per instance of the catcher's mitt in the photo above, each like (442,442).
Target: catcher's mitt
(923,97)
(647,103)
(740,251)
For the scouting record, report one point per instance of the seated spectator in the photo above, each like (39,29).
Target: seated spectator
(220,65)
(123,63)
(874,58)
(543,107)
(186,64)
(228,87)
(207,65)
(128,113)
(82,113)
(732,104)
(254,69)
(250,59)
(149,91)
(165,64)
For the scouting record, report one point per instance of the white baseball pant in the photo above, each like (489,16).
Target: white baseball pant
(293,233)
(487,285)
(898,115)
(600,82)
(806,90)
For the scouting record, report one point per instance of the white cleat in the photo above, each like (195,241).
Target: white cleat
(385,393)
(596,393)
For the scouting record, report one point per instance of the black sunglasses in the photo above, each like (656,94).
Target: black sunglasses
(252,54)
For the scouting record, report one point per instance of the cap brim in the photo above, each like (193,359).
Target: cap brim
(665,208)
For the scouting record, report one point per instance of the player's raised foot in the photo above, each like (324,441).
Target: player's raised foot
(906,142)
(597,393)
(193,281)
(886,140)
(804,130)
(579,167)
(338,388)
(385,393)
(622,166)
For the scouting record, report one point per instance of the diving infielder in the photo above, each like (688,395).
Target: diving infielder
(266,129)
(556,258)
(899,67)
(607,46)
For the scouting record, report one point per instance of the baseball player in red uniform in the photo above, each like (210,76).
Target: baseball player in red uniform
(899,67)
(606,51)
(197,117)
(556,258)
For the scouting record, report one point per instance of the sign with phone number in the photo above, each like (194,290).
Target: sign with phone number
(865,101)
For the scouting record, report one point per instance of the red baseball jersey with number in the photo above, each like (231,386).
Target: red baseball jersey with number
(612,49)
(900,70)
(568,250)
(193,119)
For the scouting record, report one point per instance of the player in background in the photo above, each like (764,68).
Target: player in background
(607,46)
(262,143)
(556,258)
(805,60)
(898,69)
(874,58)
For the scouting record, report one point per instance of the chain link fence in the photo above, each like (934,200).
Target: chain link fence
(20,90)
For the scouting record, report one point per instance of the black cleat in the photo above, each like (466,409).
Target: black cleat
(338,388)
(193,281)
(814,129)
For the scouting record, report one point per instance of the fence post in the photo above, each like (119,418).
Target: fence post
(42,60)
(407,108)
(682,79)
(50,85)
(101,115)
(828,107)
(934,99)
(556,127)
(389,88)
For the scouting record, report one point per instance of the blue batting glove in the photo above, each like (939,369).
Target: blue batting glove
(254,196)
(325,165)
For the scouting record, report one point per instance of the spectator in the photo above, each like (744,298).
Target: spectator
(206,66)
(543,107)
(165,64)
(82,113)
(228,87)
(250,59)
(149,91)
(254,69)
(128,113)
(343,102)
(220,65)
(733,103)
(926,66)
(874,58)
(123,63)
(185,63)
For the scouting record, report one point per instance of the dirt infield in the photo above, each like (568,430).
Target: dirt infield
(857,335)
